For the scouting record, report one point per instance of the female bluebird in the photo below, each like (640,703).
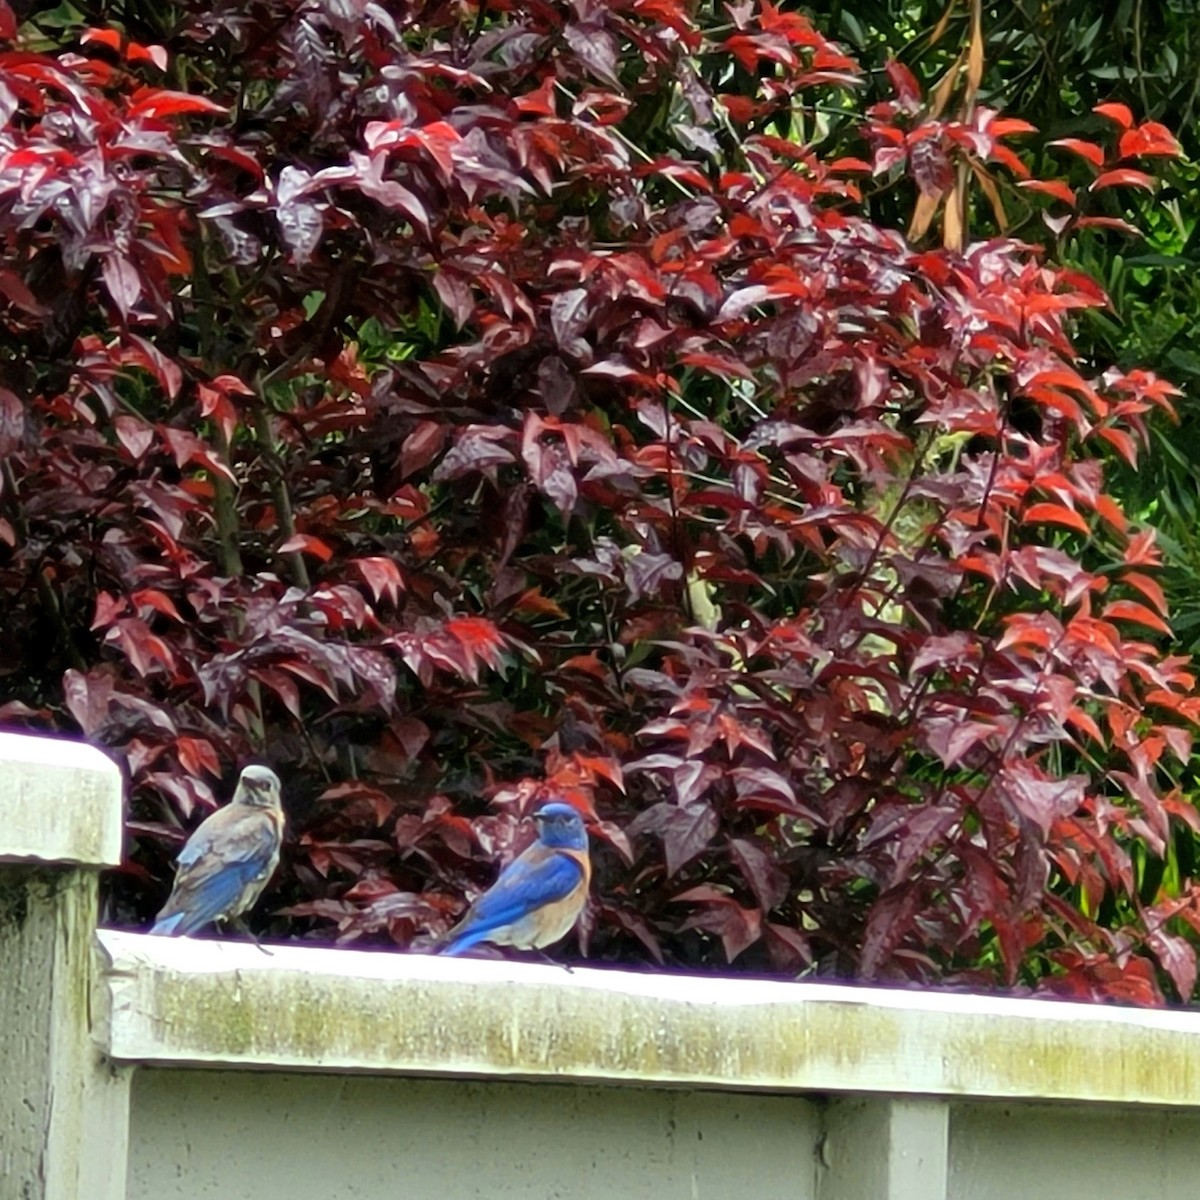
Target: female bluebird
(226,863)
(539,895)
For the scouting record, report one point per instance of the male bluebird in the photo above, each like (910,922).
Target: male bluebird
(539,895)
(226,863)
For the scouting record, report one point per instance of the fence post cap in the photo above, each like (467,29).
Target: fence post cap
(60,802)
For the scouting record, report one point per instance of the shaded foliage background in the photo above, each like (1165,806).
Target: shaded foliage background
(457,405)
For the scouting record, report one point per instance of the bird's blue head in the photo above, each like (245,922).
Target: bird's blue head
(560,826)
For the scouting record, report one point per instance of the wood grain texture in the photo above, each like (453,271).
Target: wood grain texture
(63,1110)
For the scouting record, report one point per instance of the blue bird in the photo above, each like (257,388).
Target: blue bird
(539,895)
(228,860)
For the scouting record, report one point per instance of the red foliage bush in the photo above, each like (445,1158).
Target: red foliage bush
(456,411)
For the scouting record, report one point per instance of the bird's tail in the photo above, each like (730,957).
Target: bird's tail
(451,946)
(166,926)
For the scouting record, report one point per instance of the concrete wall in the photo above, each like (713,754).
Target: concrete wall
(291,1137)
(144,1068)
(1073,1152)
(240,1136)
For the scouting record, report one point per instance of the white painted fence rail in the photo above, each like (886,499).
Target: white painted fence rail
(139,1067)
(188,1002)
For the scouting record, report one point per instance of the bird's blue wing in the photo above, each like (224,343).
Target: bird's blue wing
(523,887)
(229,851)
(202,901)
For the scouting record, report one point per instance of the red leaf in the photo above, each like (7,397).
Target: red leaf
(1009,126)
(455,293)
(158,601)
(767,880)
(952,740)
(108,609)
(1150,588)
(1050,187)
(422,446)
(381,575)
(1089,150)
(1148,139)
(187,448)
(1119,113)
(1123,177)
(389,192)
(791,949)
(12,422)
(136,52)
(930,167)
(737,927)
(1055,514)
(480,642)
(1121,441)
(890,919)
(196,756)
(14,287)
(702,893)
(908,90)
(685,831)
(912,833)
(1109,511)
(596,49)
(1177,957)
(380,804)
(1002,154)
(1131,610)
(143,648)
(1142,551)
(310,674)
(1025,629)
(1038,797)
(952,649)
(122,281)
(152,102)
(282,686)
(216,404)
(605,768)
(635,924)
(303,543)
(1108,223)
(539,102)
(105,37)
(231,383)
(147,354)
(1084,723)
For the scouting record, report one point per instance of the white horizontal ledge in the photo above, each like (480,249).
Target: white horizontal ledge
(190,1002)
(60,802)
